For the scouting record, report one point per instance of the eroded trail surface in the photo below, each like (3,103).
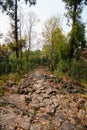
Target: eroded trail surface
(39,102)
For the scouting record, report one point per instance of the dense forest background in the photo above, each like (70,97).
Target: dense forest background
(63,55)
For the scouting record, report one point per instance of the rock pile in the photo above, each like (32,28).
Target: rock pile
(39,104)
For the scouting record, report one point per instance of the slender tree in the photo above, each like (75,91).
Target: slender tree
(32,19)
(75,8)
(52,34)
(10,7)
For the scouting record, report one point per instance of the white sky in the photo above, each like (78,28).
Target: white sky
(44,9)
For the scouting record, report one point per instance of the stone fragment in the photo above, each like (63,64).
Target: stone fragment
(25,123)
(28,99)
(67,126)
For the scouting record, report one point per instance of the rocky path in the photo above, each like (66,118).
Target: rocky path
(40,103)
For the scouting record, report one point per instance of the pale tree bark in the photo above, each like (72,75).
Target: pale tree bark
(32,20)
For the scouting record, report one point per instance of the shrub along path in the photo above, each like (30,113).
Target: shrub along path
(42,102)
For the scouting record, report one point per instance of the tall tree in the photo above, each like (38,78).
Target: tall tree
(32,19)
(10,7)
(77,40)
(52,34)
(75,8)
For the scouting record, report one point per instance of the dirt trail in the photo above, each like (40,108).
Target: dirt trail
(40,103)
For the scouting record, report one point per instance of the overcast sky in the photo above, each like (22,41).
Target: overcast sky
(44,9)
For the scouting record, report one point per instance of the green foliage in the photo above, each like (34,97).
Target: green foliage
(4,56)
(1,88)
(62,67)
(2,92)
(12,64)
(54,42)
(77,69)
(78,34)
(77,38)
(61,55)
(11,8)
(4,78)
(8,61)
(2,67)
(61,51)
(35,59)
(14,76)
(64,50)
(74,8)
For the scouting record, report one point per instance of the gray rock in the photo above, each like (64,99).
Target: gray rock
(67,126)
(24,123)
(50,109)
(39,105)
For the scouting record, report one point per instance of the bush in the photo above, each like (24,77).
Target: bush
(14,76)
(75,69)
(12,64)
(63,67)
(78,69)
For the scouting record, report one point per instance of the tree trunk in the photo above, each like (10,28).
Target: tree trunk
(74,13)
(51,56)
(73,25)
(29,47)
(16,31)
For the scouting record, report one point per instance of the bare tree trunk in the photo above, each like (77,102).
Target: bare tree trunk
(16,35)
(20,37)
(16,30)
